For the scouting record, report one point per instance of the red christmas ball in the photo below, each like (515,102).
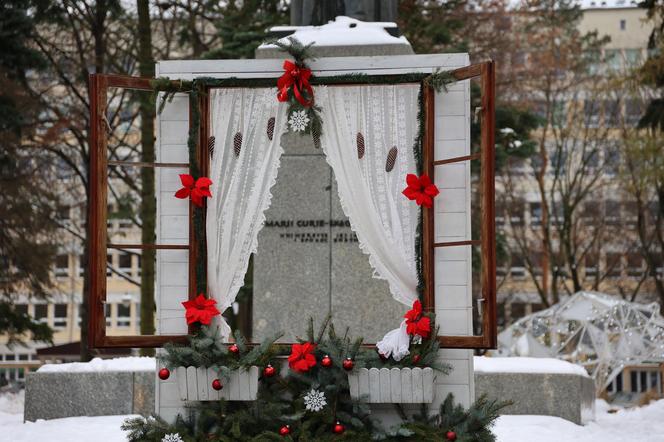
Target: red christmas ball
(450,435)
(416,359)
(164,373)
(234,349)
(382,357)
(348,364)
(216,384)
(338,428)
(285,430)
(326,361)
(269,371)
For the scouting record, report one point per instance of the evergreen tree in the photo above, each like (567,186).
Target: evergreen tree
(27,249)
(244,25)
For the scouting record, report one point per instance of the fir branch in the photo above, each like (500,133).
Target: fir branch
(300,53)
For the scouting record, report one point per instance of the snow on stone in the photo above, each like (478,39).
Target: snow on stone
(485,364)
(132,363)
(343,31)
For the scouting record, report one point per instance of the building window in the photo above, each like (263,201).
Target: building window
(634,265)
(613,59)
(623,24)
(613,266)
(124,260)
(591,110)
(60,316)
(516,213)
(41,313)
(62,266)
(535,214)
(633,57)
(591,212)
(612,113)
(107,314)
(124,315)
(612,213)
(633,111)
(21,309)
(518,269)
(109,262)
(591,265)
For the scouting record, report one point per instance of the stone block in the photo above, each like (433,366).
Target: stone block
(568,396)
(60,394)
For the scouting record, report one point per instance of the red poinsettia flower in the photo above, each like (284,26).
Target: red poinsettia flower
(421,189)
(194,189)
(200,310)
(302,357)
(416,323)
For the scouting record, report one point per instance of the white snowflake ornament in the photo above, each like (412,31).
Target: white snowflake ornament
(315,400)
(173,437)
(298,121)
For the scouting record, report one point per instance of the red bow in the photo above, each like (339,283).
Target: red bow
(302,358)
(298,77)
(416,323)
(421,189)
(196,190)
(200,310)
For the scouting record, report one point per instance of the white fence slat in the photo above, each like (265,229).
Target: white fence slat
(245,392)
(213,394)
(192,388)
(374,385)
(203,386)
(253,382)
(354,385)
(406,386)
(427,382)
(395,384)
(234,385)
(181,379)
(418,386)
(385,385)
(364,382)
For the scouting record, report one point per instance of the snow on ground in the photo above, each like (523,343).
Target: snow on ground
(645,424)
(485,364)
(132,363)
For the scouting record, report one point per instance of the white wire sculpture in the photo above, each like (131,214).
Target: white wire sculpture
(600,332)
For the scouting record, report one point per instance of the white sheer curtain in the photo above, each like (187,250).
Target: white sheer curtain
(243,170)
(371,178)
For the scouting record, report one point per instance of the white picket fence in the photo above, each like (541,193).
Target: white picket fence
(195,384)
(396,385)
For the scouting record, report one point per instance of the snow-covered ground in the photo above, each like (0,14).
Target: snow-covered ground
(485,364)
(645,424)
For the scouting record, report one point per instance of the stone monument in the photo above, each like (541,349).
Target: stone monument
(308,261)
(319,12)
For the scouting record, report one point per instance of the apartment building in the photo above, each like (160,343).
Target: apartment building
(624,22)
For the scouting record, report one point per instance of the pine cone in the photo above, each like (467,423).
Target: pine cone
(211,146)
(391,159)
(360,145)
(315,134)
(237,143)
(270,128)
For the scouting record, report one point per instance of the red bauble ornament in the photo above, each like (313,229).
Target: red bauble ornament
(285,430)
(216,384)
(164,373)
(269,371)
(326,361)
(382,357)
(338,428)
(348,364)
(234,349)
(416,359)
(450,435)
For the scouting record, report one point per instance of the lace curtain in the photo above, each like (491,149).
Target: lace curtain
(247,125)
(368,136)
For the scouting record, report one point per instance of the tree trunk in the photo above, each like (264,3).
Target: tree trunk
(148,204)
